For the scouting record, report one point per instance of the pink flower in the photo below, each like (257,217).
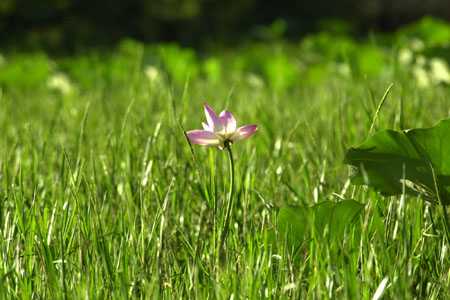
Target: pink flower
(220,131)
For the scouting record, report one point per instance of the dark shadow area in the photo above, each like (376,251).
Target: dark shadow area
(71,25)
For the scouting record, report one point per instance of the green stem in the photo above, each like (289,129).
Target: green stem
(226,224)
(444,210)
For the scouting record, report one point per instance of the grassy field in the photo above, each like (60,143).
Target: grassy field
(102,197)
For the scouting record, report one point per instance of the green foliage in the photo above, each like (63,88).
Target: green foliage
(330,46)
(397,161)
(370,60)
(274,31)
(25,71)
(212,68)
(280,72)
(181,64)
(6,6)
(327,219)
(433,32)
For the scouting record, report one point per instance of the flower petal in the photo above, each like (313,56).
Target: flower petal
(212,119)
(203,137)
(228,121)
(244,132)
(206,127)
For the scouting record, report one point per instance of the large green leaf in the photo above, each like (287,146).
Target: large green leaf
(392,161)
(295,222)
(336,216)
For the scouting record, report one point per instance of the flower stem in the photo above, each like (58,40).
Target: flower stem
(226,224)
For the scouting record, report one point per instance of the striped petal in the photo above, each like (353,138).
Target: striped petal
(212,119)
(244,132)
(228,121)
(203,137)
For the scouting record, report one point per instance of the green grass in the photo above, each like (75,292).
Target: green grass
(101,196)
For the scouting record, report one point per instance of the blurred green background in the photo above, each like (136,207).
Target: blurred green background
(68,25)
(76,45)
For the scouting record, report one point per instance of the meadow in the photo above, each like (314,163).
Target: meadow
(102,196)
